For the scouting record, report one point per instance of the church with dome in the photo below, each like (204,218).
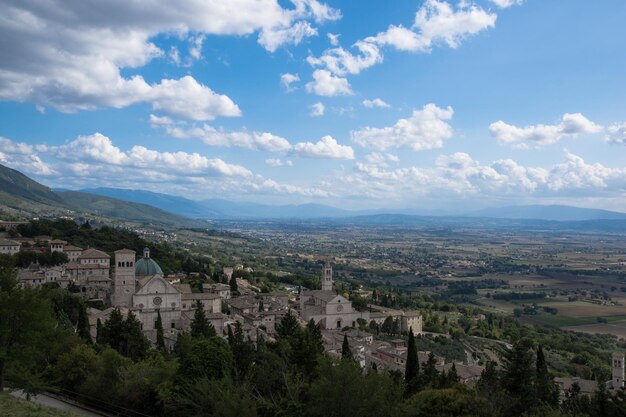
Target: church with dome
(139,286)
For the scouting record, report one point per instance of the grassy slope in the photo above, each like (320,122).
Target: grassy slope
(15,407)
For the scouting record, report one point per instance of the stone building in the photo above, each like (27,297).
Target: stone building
(9,247)
(327,309)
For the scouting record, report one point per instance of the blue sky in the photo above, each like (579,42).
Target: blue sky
(358,104)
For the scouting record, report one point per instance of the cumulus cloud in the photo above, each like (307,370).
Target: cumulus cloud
(326,148)
(377,102)
(342,62)
(571,125)
(72,61)
(617,134)
(326,84)
(259,141)
(287,79)
(317,109)
(425,129)
(436,22)
(458,175)
(504,4)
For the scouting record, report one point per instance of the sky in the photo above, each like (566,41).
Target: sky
(423,105)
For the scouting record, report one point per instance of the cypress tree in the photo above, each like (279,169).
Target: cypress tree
(317,343)
(346,353)
(133,343)
(430,370)
(201,327)
(288,326)
(233,285)
(412,365)
(160,339)
(82,325)
(547,391)
(99,332)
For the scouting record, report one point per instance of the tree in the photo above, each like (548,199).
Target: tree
(387,326)
(315,332)
(99,332)
(134,344)
(346,352)
(203,358)
(518,377)
(82,325)
(343,390)
(201,327)
(288,327)
(546,390)
(243,351)
(125,336)
(28,331)
(458,402)
(430,370)
(412,362)
(160,339)
(233,285)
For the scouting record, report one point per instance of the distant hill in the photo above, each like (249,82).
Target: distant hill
(174,204)
(21,196)
(219,208)
(552,212)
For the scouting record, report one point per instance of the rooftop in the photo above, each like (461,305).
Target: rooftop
(93,254)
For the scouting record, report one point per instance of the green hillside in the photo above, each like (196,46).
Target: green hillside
(19,185)
(24,198)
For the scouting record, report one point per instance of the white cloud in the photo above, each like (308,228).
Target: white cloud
(439,21)
(23,157)
(186,98)
(341,62)
(174,55)
(317,109)
(77,164)
(259,141)
(402,39)
(503,4)
(277,162)
(571,125)
(287,79)
(425,129)
(326,148)
(333,38)
(459,176)
(72,60)
(435,22)
(158,121)
(326,84)
(272,39)
(379,158)
(377,102)
(195,47)
(617,134)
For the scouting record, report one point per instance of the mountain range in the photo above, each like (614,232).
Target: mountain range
(21,196)
(225,209)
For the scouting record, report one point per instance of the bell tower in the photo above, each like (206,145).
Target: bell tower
(618,370)
(327,277)
(124,283)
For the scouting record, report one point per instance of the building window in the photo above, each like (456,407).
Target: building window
(173,325)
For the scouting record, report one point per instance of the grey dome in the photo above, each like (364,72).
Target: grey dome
(147,267)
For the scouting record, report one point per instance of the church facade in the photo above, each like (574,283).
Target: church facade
(328,309)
